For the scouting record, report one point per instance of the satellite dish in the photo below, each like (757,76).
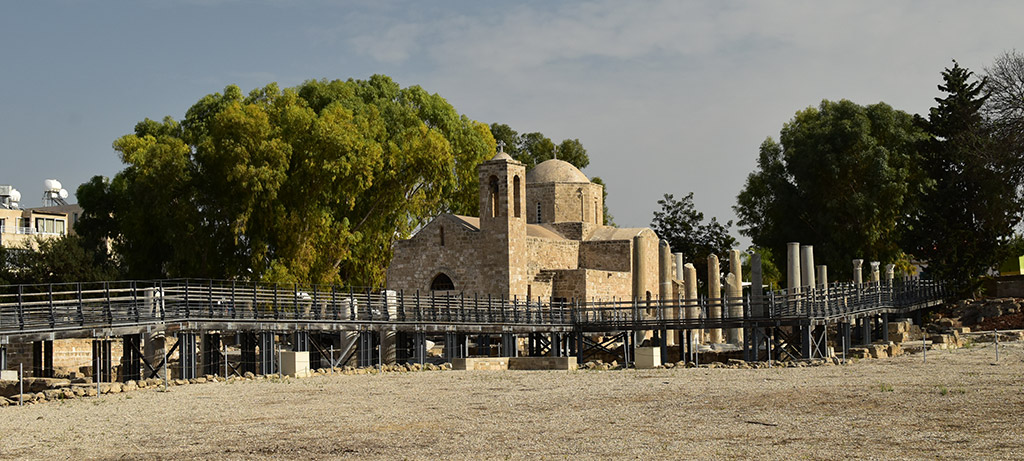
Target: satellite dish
(63,193)
(52,185)
(15,195)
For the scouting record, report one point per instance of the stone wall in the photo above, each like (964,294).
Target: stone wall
(589,284)
(609,255)
(463,257)
(560,202)
(68,354)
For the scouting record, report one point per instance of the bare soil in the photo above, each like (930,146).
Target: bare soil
(958,404)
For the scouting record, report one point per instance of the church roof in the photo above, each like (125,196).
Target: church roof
(532,230)
(616,233)
(555,170)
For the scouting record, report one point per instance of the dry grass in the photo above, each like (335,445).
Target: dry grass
(956,405)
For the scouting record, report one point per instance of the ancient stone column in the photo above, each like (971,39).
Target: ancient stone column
(639,274)
(858,276)
(874,272)
(678,257)
(756,284)
(793,274)
(714,298)
(734,284)
(807,267)
(665,286)
(890,273)
(823,278)
(692,307)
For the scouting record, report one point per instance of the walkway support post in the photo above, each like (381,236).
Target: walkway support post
(187,351)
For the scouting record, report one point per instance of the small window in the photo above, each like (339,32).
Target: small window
(441,234)
(538,211)
(494,197)
(515,184)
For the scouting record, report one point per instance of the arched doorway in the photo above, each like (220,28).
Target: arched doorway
(442,282)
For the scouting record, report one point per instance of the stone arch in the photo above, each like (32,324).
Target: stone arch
(442,282)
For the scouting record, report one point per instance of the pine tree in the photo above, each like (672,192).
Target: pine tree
(967,217)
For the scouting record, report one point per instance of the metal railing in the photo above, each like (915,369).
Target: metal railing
(68,306)
(64,306)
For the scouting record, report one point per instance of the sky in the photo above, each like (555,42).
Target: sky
(666,96)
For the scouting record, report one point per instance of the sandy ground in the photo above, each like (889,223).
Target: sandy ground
(958,404)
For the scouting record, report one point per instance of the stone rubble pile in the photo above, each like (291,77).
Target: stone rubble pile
(40,390)
(974,311)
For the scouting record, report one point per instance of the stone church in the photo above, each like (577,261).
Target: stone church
(540,234)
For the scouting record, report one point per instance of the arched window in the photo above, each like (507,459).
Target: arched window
(441,233)
(597,212)
(442,283)
(493,187)
(515,185)
(582,206)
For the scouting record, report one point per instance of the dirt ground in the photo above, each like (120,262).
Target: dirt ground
(958,404)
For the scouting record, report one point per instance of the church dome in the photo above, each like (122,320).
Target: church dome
(502,156)
(555,170)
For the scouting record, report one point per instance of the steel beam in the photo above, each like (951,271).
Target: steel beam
(101,369)
(268,354)
(211,352)
(3,357)
(454,346)
(131,360)
(300,341)
(419,347)
(368,344)
(885,328)
(845,337)
(187,352)
(248,343)
(509,345)
(483,345)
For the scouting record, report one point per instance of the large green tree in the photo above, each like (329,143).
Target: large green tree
(686,231)
(966,220)
(308,184)
(842,177)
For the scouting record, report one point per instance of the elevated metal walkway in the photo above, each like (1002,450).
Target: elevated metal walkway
(103,310)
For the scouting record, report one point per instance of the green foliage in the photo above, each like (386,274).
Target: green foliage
(679,223)
(965,222)
(842,177)
(312,184)
(534,148)
(54,260)
(770,273)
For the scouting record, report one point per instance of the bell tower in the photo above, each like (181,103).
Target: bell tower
(503,222)
(502,193)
